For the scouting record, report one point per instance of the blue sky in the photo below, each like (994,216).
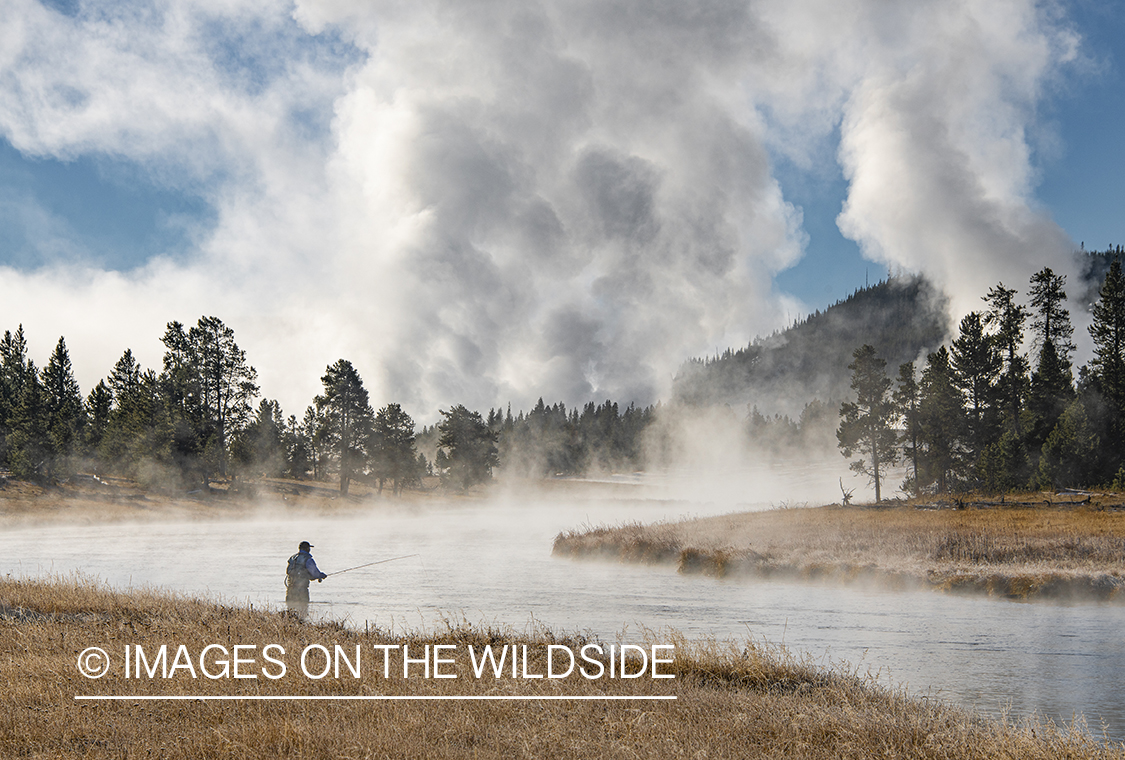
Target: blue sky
(107,212)
(1082,185)
(96,210)
(560,198)
(1080,168)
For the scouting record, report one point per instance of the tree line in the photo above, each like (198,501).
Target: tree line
(999,408)
(984,413)
(199,418)
(196,420)
(550,441)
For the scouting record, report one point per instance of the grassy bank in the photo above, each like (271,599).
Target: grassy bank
(1022,551)
(120,499)
(111,499)
(731,702)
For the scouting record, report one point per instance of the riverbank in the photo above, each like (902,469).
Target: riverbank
(92,500)
(88,500)
(1058,548)
(753,701)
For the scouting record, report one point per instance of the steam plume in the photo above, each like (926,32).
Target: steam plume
(494,201)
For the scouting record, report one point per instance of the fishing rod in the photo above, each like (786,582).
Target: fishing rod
(369,564)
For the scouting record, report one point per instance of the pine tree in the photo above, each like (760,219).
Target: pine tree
(906,399)
(976,370)
(941,422)
(125,422)
(99,404)
(1070,452)
(1108,332)
(1007,319)
(227,385)
(315,431)
(14,365)
(28,445)
(1004,464)
(297,448)
(1051,319)
(154,457)
(139,434)
(14,372)
(1108,364)
(347,419)
(181,390)
(865,424)
(394,454)
(467,450)
(1052,384)
(259,447)
(62,407)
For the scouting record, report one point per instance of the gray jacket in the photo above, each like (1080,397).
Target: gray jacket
(302,569)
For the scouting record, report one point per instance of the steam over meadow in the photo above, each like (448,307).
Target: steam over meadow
(494,201)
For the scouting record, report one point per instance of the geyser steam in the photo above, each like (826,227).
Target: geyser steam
(489,202)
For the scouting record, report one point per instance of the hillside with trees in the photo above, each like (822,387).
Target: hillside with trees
(1000,408)
(902,318)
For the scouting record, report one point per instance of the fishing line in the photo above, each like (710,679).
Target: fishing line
(369,564)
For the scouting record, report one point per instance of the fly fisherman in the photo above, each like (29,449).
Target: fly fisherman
(302,569)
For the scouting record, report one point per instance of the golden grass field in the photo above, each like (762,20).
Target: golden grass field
(732,702)
(1014,550)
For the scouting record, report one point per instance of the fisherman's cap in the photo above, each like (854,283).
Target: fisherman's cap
(305,545)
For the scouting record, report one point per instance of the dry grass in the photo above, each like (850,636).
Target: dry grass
(731,702)
(1013,551)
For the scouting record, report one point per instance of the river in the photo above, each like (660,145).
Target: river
(491,563)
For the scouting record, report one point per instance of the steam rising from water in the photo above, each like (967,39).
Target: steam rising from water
(490,562)
(494,201)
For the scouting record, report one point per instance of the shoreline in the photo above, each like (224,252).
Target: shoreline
(114,499)
(732,700)
(109,500)
(1019,551)
(750,700)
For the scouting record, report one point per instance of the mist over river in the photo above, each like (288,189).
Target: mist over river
(490,562)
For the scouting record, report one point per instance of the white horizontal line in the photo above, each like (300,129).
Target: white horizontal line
(381,697)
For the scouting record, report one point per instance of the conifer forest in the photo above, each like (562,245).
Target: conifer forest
(996,405)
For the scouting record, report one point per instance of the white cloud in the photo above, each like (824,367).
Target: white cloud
(514,199)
